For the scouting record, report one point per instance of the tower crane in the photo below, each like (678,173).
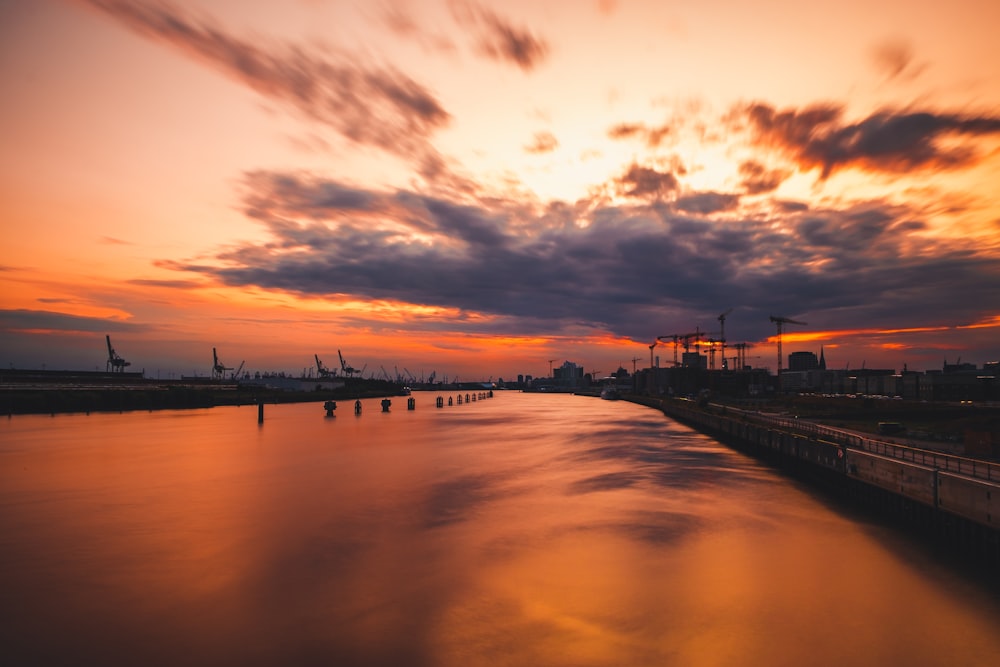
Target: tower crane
(673,337)
(722,336)
(115,362)
(550,366)
(218,368)
(780,321)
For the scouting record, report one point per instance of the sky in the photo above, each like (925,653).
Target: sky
(482,189)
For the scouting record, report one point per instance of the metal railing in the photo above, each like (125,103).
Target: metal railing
(949,462)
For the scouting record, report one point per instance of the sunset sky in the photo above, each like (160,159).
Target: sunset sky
(476,188)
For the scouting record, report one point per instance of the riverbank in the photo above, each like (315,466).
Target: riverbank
(15,400)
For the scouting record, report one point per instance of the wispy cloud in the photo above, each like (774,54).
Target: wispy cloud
(46,320)
(651,136)
(886,141)
(497,38)
(894,59)
(377,106)
(543,142)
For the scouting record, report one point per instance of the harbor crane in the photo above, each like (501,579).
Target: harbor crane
(323,371)
(218,368)
(115,362)
(236,373)
(722,336)
(348,371)
(781,321)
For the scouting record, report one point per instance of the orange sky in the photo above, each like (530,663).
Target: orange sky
(477,188)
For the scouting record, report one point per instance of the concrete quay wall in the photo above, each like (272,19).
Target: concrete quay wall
(936,496)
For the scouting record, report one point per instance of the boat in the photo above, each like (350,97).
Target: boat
(610,393)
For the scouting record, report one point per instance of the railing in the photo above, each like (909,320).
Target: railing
(949,462)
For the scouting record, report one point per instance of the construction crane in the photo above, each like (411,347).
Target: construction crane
(741,355)
(722,336)
(323,371)
(670,337)
(218,368)
(551,361)
(781,321)
(348,371)
(115,362)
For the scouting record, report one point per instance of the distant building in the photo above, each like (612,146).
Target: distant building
(803,361)
(568,375)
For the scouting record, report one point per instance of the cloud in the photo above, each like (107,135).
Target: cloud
(757,179)
(894,60)
(646,182)
(543,142)
(652,136)
(498,39)
(707,203)
(887,141)
(29,320)
(373,106)
(501,266)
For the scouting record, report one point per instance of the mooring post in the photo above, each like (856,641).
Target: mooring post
(260,412)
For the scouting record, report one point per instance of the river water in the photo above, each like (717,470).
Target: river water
(525,529)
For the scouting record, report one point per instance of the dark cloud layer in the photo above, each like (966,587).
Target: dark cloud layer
(374,106)
(633,269)
(887,141)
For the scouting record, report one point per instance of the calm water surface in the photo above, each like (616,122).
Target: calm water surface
(521,530)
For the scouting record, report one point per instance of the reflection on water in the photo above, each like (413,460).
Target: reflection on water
(525,529)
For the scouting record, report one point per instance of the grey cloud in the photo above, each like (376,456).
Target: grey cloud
(631,269)
(707,202)
(25,320)
(887,141)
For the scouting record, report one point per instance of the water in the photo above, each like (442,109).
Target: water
(527,529)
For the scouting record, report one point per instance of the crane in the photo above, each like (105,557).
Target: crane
(218,368)
(780,321)
(236,373)
(348,371)
(722,336)
(550,366)
(673,337)
(321,369)
(115,362)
